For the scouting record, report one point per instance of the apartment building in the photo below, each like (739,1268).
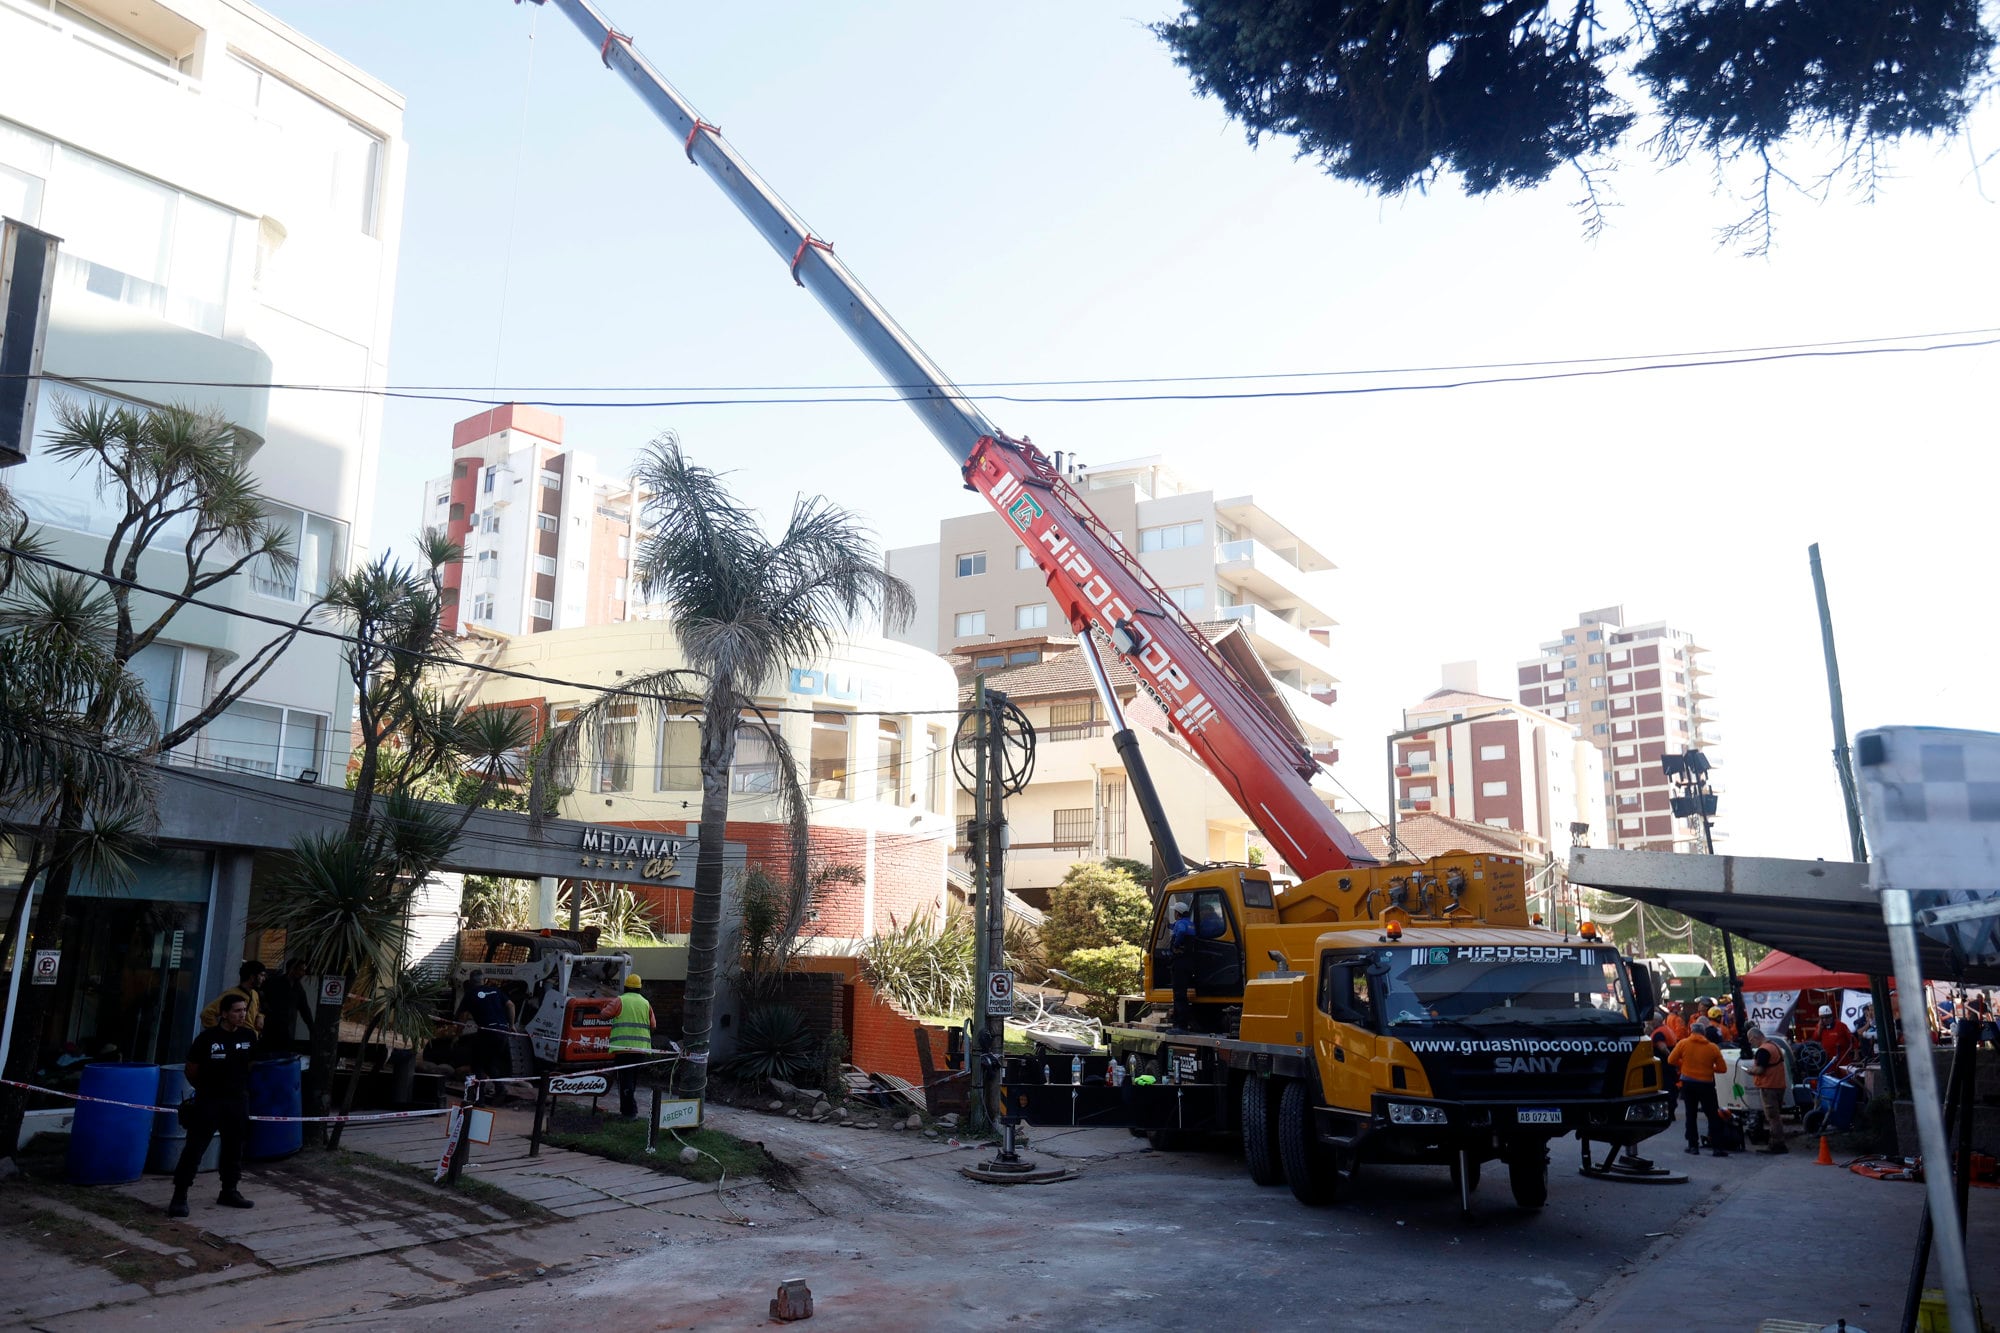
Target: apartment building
(1486,761)
(1220,558)
(547,533)
(229,197)
(1635,692)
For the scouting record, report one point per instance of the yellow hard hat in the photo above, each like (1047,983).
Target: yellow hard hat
(632,981)
(1715,1013)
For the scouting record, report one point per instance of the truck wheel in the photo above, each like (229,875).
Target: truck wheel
(1529,1175)
(1309,1165)
(1260,1140)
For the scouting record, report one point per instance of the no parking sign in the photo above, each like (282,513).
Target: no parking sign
(1000,993)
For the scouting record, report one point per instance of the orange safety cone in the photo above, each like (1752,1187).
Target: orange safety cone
(1825,1153)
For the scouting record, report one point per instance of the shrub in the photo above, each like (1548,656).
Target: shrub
(772,1043)
(1025,956)
(922,966)
(833,1055)
(1094,907)
(1104,974)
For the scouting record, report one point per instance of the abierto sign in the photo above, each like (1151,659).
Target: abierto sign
(678,1113)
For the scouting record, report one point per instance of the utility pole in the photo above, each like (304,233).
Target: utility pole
(1857,843)
(994,1028)
(982,802)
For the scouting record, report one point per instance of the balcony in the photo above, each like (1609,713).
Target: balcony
(1315,718)
(1264,574)
(1282,645)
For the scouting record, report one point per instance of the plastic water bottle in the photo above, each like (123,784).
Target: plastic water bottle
(1114,1073)
(1076,1069)
(1045,1073)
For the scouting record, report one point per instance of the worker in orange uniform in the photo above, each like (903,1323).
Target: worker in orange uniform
(1675,1025)
(1700,1062)
(1772,1083)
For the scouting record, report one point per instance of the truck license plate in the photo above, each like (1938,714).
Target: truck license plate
(1539,1117)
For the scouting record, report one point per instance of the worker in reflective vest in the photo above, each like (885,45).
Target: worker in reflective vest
(631,1042)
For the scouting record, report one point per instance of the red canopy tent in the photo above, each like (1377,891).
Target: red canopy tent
(1781,971)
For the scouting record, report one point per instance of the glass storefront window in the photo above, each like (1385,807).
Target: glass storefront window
(889,781)
(829,756)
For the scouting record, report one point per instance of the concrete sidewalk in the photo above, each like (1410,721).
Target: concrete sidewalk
(1784,1238)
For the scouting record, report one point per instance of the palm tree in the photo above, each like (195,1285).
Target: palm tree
(743,605)
(346,896)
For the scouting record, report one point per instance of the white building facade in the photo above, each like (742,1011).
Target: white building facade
(229,198)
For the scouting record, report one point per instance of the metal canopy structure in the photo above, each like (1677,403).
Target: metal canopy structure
(1822,911)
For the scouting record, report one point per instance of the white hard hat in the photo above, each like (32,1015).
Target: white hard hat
(1180,907)
(1826,1011)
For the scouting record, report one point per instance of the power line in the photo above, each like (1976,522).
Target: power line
(1578,368)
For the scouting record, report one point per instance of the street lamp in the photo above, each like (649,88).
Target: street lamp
(1688,772)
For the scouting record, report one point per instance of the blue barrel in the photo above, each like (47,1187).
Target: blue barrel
(107,1144)
(274,1090)
(168,1136)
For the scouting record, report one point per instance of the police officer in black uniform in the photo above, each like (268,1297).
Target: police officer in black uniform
(218,1065)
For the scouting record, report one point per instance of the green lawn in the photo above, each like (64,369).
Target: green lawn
(625,1141)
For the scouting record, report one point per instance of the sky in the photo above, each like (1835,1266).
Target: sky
(1035,192)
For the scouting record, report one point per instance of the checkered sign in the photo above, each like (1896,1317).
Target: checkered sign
(1930,799)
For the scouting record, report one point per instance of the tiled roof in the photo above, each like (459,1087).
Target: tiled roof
(1440,700)
(1423,836)
(1063,671)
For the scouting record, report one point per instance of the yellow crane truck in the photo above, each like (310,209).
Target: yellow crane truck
(1407,1013)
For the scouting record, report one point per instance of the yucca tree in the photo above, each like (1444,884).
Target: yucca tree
(345,897)
(186,514)
(743,605)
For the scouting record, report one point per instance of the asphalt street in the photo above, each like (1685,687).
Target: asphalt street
(888,1234)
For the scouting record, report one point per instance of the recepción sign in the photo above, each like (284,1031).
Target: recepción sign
(577,1085)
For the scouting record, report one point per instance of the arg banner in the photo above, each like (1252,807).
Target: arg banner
(1770,1010)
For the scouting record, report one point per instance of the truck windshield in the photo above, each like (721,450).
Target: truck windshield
(1503,985)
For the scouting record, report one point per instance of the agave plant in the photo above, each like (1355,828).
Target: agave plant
(772,1043)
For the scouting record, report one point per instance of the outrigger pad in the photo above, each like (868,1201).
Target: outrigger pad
(1631,1169)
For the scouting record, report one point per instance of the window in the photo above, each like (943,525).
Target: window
(990,660)
(1620,679)
(1422,793)
(1572,709)
(971,563)
(939,761)
(1569,638)
(968,623)
(829,761)
(316,542)
(1075,828)
(482,606)
(548,523)
(624,548)
(1032,617)
(1621,728)
(544,610)
(551,481)
(1492,789)
(1192,599)
(1620,656)
(1597,705)
(1419,761)
(545,564)
(1625,752)
(1628,798)
(889,783)
(755,768)
(125,238)
(1072,719)
(1598,729)
(1595,636)
(1493,752)
(615,748)
(1023,558)
(1498,821)
(330,164)
(618,590)
(1629,824)
(1569,664)
(1597,682)
(1023,656)
(484,558)
(1596,658)
(486,483)
(1171,537)
(267,739)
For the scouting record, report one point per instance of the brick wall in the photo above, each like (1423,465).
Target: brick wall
(883,1036)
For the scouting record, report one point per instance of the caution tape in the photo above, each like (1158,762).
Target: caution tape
(347,1119)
